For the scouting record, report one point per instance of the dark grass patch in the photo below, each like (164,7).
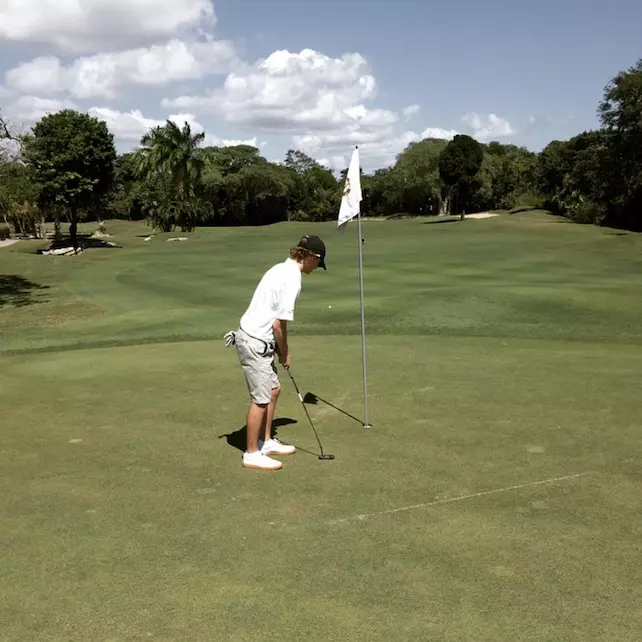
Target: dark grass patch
(17,291)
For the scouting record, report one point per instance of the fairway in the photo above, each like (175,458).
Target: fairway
(497,496)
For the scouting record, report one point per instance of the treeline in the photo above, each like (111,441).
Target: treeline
(68,169)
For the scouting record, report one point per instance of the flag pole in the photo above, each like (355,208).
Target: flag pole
(360,241)
(350,207)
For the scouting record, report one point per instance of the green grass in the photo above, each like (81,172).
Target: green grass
(501,353)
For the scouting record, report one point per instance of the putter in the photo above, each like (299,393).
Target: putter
(323,455)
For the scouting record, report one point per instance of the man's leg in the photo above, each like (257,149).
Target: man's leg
(257,376)
(269,415)
(252,457)
(273,447)
(256,416)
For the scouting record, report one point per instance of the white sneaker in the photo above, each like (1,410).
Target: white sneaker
(275,447)
(260,461)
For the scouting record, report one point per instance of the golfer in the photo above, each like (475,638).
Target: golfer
(262,335)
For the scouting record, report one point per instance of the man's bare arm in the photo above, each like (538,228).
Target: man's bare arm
(280,328)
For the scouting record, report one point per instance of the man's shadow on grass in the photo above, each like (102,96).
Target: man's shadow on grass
(237,439)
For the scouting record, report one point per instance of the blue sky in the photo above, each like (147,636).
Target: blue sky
(320,75)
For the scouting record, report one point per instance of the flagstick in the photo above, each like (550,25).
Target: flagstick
(348,209)
(363,325)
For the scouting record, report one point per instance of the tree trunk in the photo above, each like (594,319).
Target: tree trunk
(39,225)
(73,229)
(444,206)
(12,230)
(57,230)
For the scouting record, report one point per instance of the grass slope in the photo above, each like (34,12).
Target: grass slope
(501,353)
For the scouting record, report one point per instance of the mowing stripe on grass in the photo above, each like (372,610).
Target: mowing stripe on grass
(454,499)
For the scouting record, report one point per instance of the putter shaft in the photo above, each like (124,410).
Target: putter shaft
(298,392)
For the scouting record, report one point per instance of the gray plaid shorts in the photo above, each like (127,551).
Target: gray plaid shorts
(259,367)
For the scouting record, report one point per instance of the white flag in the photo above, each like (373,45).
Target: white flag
(351,199)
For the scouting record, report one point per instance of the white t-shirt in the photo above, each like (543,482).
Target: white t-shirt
(274,298)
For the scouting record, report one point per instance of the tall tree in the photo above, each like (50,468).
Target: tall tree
(223,185)
(576,177)
(621,115)
(126,196)
(315,191)
(416,174)
(19,193)
(299,162)
(72,155)
(507,177)
(459,164)
(382,192)
(231,159)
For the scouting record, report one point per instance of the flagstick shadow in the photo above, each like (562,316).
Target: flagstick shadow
(312,399)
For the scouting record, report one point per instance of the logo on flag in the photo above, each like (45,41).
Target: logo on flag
(351,199)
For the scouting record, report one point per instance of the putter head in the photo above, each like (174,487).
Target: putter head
(310,398)
(326,456)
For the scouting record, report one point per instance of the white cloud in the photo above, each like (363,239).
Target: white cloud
(101,25)
(339,162)
(410,111)
(295,91)
(103,74)
(377,149)
(342,139)
(488,127)
(5,93)
(439,132)
(132,126)
(31,109)
(323,103)
(317,98)
(129,127)
(225,142)
(41,75)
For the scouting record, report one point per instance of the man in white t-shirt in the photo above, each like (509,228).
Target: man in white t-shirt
(262,335)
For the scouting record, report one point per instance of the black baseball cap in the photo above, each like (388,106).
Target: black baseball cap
(315,245)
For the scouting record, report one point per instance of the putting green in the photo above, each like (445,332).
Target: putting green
(495,498)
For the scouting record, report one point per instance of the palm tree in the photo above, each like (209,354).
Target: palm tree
(168,156)
(173,150)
